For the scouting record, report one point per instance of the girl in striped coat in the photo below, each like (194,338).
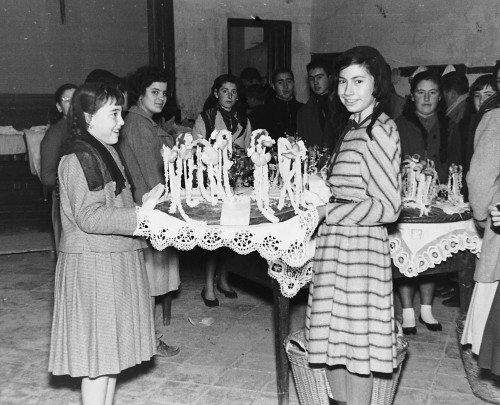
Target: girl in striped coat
(350,316)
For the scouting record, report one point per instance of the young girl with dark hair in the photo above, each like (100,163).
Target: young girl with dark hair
(223,115)
(349,319)
(140,147)
(102,320)
(424,130)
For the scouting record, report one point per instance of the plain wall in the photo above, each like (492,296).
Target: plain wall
(201,43)
(38,53)
(411,32)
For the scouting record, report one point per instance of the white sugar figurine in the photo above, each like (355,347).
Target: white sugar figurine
(455,184)
(173,174)
(290,157)
(223,146)
(186,153)
(169,157)
(210,158)
(259,141)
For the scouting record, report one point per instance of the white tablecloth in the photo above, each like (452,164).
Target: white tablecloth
(34,137)
(287,243)
(416,247)
(11,141)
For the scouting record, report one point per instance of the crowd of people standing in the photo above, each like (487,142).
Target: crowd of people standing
(102,162)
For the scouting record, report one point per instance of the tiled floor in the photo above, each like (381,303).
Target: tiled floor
(230,362)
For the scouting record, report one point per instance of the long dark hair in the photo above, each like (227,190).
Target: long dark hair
(375,64)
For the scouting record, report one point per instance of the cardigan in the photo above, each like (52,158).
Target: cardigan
(140,144)
(95,221)
(483,181)
(50,152)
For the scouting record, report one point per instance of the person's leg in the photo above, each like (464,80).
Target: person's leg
(224,256)
(359,388)
(162,349)
(337,378)
(407,293)
(209,277)
(94,390)
(426,297)
(110,392)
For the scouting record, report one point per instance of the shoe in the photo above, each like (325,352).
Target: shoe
(209,303)
(434,327)
(447,293)
(411,330)
(453,301)
(228,294)
(164,350)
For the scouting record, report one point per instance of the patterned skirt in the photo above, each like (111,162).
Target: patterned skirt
(102,320)
(350,313)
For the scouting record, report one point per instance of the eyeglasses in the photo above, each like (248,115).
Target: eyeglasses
(67,99)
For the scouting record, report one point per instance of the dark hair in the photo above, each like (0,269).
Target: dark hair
(373,61)
(495,74)
(103,76)
(142,78)
(250,73)
(89,98)
(320,63)
(482,82)
(430,75)
(256,91)
(219,81)
(455,81)
(281,70)
(54,114)
(60,91)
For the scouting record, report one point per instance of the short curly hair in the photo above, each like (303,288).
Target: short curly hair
(142,78)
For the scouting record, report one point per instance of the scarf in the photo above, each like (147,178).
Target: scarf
(97,163)
(230,118)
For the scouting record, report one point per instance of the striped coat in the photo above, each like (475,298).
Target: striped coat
(350,315)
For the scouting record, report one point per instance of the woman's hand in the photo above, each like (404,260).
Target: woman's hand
(151,199)
(495,214)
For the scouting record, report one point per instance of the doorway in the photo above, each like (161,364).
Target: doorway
(263,44)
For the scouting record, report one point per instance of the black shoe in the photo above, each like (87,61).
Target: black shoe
(446,292)
(209,303)
(434,327)
(453,301)
(164,350)
(411,330)
(228,294)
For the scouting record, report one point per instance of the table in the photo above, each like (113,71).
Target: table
(287,243)
(11,141)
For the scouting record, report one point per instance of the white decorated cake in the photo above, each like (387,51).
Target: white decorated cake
(421,189)
(201,171)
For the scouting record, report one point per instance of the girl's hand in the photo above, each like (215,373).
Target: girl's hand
(495,214)
(151,199)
